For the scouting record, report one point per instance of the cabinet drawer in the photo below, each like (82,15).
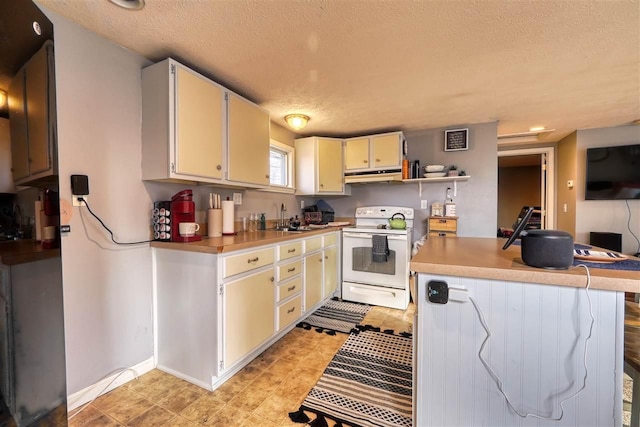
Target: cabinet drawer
(289,250)
(246,262)
(442,234)
(292,287)
(330,239)
(289,312)
(443,224)
(313,244)
(289,270)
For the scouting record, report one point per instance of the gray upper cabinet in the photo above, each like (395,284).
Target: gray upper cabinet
(32,119)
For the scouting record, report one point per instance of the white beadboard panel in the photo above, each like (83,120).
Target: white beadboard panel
(537,344)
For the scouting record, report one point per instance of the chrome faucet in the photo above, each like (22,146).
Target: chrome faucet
(283,209)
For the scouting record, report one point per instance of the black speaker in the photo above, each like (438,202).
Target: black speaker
(551,249)
(611,241)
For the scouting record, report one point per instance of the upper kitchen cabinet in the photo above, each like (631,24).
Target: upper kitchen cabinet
(32,119)
(183,116)
(248,143)
(374,152)
(319,166)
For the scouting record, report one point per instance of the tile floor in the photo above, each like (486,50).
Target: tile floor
(262,394)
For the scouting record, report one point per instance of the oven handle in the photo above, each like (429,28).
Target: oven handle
(369,291)
(369,236)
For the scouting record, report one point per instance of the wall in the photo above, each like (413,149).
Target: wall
(107,289)
(566,169)
(606,215)
(517,187)
(476,200)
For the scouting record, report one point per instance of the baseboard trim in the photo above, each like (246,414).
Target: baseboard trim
(87,394)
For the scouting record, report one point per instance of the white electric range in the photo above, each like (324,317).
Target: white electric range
(368,277)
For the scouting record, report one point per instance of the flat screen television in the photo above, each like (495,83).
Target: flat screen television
(613,173)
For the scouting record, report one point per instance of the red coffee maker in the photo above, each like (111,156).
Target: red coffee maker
(183,209)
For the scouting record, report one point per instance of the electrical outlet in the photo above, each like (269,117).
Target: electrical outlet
(237,198)
(423,204)
(77,202)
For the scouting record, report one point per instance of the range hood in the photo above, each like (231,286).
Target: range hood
(373,176)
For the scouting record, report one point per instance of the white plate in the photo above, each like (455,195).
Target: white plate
(434,168)
(435,174)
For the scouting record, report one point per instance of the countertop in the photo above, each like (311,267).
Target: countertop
(484,258)
(22,251)
(241,240)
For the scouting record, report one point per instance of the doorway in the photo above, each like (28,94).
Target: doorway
(526,178)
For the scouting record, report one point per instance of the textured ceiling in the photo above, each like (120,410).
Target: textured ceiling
(359,66)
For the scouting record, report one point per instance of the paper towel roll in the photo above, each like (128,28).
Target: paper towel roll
(228,217)
(214,222)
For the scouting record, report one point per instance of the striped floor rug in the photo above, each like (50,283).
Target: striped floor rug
(367,383)
(335,315)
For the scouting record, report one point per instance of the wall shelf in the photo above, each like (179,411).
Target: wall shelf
(453,179)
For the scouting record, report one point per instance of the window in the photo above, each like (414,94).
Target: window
(281,167)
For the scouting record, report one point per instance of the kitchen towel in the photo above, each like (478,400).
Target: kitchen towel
(380,248)
(228,217)
(214,222)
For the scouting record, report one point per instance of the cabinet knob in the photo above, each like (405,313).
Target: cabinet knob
(291,288)
(291,270)
(326,257)
(291,310)
(290,251)
(271,279)
(321,185)
(377,160)
(266,176)
(219,167)
(365,161)
(250,260)
(320,259)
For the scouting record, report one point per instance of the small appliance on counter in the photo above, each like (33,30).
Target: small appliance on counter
(320,213)
(51,222)
(183,209)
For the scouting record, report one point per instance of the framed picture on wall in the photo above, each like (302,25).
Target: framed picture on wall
(456,139)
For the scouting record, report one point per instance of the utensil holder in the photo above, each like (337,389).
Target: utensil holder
(214,222)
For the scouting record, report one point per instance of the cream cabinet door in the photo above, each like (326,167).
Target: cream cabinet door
(356,154)
(386,151)
(198,144)
(313,280)
(330,169)
(249,314)
(330,270)
(18,128)
(37,90)
(248,142)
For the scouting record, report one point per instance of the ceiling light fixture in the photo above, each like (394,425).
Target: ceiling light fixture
(296,121)
(3,98)
(129,4)
(536,129)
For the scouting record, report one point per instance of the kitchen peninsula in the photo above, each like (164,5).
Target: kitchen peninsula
(32,353)
(538,320)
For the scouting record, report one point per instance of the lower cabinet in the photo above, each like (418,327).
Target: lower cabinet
(249,314)
(216,312)
(313,279)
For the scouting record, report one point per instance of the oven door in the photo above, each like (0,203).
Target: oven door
(359,266)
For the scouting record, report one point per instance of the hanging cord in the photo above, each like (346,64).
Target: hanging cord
(86,405)
(629,227)
(80,199)
(497,379)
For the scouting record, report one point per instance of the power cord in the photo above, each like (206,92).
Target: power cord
(86,405)
(629,228)
(497,379)
(83,200)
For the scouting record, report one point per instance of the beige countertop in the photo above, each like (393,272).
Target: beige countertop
(23,251)
(241,240)
(484,258)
